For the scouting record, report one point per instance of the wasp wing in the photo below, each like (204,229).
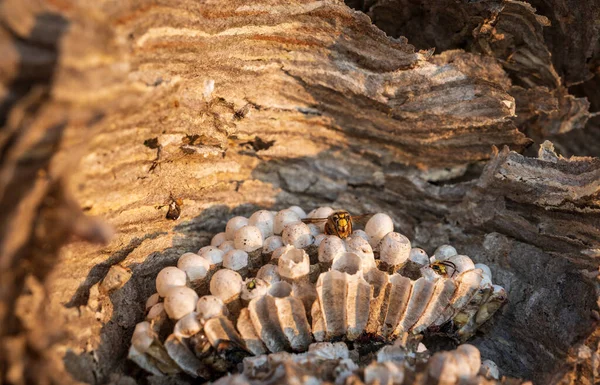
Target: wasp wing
(361,219)
(314,220)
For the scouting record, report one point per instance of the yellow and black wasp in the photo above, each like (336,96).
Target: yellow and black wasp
(339,223)
(441,267)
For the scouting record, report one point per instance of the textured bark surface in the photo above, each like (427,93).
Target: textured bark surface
(106,112)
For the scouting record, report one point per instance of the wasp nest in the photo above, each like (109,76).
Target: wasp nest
(334,363)
(277,282)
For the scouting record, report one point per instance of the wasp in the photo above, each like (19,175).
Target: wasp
(339,223)
(441,267)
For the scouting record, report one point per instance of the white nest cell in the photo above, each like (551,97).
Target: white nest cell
(298,210)
(297,234)
(155,311)
(377,227)
(394,249)
(271,244)
(349,263)
(360,233)
(233,225)
(283,218)
(235,260)
(486,270)
(330,248)
(418,256)
(362,248)
(314,229)
(444,252)
(195,266)
(226,284)
(264,220)
(180,301)
(187,326)
(254,288)
(321,212)
(248,238)
(169,277)
(318,239)
(210,306)
(293,263)
(269,273)
(152,300)
(212,254)
(142,336)
(226,246)
(218,239)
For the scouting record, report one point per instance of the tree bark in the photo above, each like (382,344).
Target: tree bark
(109,117)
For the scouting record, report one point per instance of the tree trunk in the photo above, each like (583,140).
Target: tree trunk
(109,117)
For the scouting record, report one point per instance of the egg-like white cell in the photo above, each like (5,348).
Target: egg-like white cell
(226,284)
(444,252)
(264,220)
(233,225)
(269,273)
(297,234)
(142,337)
(323,213)
(293,263)
(212,254)
(254,288)
(226,246)
(349,263)
(271,244)
(283,218)
(210,306)
(314,229)
(419,256)
(362,248)
(394,249)
(472,356)
(180,301)
(377,227)
(490,370)
(235,260)
(318,239)
(486,282)
(248,238)
(330,248)
(277,252)
(444,368)
(195,266)
(360,233)
(485,268)
(187,326)
(155,311)
(298,210)
(429,273)
(461,263)
(218,239)
(152,300)
(169,277)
